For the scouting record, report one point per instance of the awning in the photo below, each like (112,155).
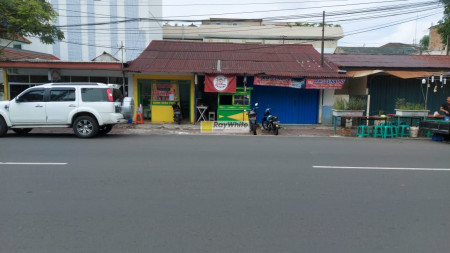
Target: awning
(408,74)
(400,74)
(362,73)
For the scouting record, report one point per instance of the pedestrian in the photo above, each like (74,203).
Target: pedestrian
(445,108)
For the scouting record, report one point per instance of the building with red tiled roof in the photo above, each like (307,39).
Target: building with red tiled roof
(10,54)
(20,69)
(232,58)
(188,68)
(388,77)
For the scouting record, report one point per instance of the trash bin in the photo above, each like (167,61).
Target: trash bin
(414,132)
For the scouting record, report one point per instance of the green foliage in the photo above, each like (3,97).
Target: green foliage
(443,27)
(400,103)
(340,104)
(354,103)
(29,18)
(424,42)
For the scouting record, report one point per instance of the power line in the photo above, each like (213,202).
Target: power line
(358,31)
(269,11)
(269,27)
(214,4)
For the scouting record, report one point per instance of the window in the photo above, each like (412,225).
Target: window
(226,100)
(117,80)
(117,95)
(39,79)
(35,95)
(17,46)
(61,95)
(241,100)
(19,79)
(79,79)
(98,79)
(94,94)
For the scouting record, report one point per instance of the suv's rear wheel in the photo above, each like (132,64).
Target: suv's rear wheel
(21,131)
(85,127)
(3,127)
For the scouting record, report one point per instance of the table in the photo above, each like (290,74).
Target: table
(360,118)
(201,111)
(412,118)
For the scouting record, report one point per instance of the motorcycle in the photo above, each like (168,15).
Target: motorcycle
(252,119)
(176,113)
(270,122)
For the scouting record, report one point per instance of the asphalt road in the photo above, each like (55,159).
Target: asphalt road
(167,193)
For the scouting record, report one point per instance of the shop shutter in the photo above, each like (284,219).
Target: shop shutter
(292,106)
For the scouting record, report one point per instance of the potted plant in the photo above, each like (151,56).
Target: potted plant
(403,108)
(354,107)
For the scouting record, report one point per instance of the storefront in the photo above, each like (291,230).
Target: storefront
(293,100)
(157,94)
(220,81)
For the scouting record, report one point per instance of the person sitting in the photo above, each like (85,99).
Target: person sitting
(445,108)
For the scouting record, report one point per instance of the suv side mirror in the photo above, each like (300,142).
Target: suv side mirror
(18,100)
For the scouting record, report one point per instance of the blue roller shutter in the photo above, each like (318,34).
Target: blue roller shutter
(292,106)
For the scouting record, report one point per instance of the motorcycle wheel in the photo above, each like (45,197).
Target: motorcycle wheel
(275,131)
(254,129)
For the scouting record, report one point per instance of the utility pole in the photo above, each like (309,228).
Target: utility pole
(446,53)
(323,39)
(123,73)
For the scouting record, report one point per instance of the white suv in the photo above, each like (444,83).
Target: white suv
(89,108)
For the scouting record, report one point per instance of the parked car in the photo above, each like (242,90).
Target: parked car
(89,108)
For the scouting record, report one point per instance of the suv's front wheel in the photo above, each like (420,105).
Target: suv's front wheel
(3,127)
(85,127)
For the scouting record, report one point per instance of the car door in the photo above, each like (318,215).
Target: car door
(61,102)
(28,107)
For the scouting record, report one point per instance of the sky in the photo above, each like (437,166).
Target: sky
(365,23)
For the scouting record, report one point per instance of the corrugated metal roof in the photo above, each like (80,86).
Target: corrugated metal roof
(9,54)
(391,61)
(203,57)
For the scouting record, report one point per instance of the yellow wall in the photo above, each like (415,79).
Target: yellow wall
(161,113)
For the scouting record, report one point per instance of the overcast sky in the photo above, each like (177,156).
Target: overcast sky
(406,20)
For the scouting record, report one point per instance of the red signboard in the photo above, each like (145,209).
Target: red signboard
(333,84)
(220,83)
(279,82)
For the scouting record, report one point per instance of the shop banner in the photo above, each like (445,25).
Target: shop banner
(279,82)
(333,84)
(220,83)
(164,92)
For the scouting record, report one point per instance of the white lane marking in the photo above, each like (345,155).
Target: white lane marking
(380,168)
(19,163)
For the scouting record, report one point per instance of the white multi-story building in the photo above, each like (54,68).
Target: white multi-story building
(256,31)
(92,27)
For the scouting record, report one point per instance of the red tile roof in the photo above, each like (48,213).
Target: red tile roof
(391,61)
(232,58)
(11,54)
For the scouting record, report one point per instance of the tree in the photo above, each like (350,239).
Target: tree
(424,42)
(444,25)
(29,18)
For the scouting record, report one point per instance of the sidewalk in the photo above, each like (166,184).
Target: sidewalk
(188,128)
